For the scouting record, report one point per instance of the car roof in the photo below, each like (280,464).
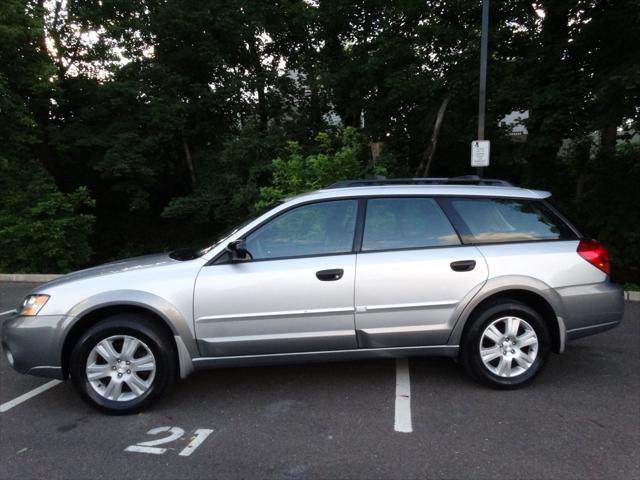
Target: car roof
(419,190)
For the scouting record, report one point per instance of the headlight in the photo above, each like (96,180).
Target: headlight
(32,304)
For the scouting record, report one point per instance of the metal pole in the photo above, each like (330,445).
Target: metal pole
(484,41)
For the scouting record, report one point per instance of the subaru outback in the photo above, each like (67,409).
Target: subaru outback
(474,269)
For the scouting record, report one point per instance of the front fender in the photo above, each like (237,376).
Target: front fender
(181,328)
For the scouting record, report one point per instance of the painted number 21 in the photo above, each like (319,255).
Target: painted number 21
(173,434)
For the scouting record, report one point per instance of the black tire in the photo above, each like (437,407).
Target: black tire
(143,329)
(470,345)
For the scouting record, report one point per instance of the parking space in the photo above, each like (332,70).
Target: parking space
(580,419)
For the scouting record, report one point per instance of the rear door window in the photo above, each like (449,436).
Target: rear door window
(400,223)
(493,220)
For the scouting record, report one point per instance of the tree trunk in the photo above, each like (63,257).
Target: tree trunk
(583,156)
(376,150)
(608,140)
(315,112)
(544,133)
(41,102)
(260,83)
(429,153)
(187,155)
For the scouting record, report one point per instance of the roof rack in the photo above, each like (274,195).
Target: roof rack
(463,180)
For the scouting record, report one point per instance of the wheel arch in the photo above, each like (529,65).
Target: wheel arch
(92,311)
(540,297)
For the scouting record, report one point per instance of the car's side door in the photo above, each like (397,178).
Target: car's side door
(294,295)
(412,272)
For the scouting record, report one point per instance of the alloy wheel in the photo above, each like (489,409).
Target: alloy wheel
(121,368)
(508,346)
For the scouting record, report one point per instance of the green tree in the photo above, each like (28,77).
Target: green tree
(41,229)
(229,184)
(171,113)
(331,159)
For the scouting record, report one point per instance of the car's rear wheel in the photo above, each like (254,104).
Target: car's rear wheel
(123,363)
(506,345)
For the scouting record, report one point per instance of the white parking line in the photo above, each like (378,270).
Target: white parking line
(24,397)
(403,397)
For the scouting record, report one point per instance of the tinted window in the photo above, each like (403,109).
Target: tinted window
(504,220)
(314,229)
(395,223)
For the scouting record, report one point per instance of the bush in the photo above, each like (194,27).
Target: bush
(41,229)
(611,211)
(332,159)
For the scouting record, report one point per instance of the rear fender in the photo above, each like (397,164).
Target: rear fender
(498,285)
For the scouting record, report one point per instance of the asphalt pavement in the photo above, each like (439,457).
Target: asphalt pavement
(579,419)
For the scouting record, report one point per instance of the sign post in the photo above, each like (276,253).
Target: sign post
(484,41)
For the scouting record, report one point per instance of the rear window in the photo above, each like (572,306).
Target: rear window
(491,220)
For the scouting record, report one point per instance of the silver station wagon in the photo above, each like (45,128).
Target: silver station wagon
(473,269)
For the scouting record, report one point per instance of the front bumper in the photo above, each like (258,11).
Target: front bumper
(32,344)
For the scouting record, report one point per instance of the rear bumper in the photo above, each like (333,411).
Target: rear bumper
(31,344)
(591,309)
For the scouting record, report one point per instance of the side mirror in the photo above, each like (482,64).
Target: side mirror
(238,250)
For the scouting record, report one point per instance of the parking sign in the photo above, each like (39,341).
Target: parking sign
(480,153)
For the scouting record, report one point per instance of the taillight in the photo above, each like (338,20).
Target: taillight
(594,253)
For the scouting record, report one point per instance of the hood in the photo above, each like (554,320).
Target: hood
(120,266)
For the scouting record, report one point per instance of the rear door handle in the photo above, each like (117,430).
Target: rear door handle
(330,275)
(463,265)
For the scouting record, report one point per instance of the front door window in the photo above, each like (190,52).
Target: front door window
(309,230)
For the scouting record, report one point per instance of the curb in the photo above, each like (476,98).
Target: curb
(630,296)
(27,277)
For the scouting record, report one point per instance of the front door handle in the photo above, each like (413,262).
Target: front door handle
(463,265)
(330,275)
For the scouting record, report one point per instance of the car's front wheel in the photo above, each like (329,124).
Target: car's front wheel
(123,363)
(506,345)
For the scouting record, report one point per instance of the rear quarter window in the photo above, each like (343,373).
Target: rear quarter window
(494,220)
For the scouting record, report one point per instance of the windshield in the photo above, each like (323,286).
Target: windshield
(189,253)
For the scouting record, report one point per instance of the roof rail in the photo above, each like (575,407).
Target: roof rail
(463,180)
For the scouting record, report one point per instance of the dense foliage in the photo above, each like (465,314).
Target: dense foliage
(41,228)
(129,126)
(331,160)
